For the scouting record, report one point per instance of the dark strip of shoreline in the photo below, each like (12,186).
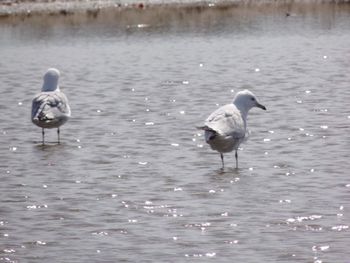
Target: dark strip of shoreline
(76,12)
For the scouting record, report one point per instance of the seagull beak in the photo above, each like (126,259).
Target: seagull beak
(260,106)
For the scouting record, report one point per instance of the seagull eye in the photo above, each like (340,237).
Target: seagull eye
(252,99)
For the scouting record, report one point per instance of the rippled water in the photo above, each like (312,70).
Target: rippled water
(134,181)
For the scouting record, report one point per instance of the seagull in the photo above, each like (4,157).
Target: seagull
(50,107)
(226,128)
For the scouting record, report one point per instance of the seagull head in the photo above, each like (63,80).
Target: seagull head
(51,80)
(245,100)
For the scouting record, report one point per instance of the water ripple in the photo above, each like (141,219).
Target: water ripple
(134,179)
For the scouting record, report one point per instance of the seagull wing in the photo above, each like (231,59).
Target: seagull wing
(50,107)
(226,121)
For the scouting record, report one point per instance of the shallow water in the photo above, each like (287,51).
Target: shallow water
(134,181)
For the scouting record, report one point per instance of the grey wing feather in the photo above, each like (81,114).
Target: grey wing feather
(226,121)
(50,106)
(62,104)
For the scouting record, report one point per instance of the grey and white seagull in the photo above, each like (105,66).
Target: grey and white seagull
(226,128)
(50,107)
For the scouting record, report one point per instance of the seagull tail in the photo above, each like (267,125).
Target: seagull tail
(209,134)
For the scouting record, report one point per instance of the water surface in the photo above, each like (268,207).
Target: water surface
(134,181)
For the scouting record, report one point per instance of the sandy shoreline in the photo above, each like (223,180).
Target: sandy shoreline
(77,11)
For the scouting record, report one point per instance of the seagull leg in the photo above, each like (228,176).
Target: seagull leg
(222,160)
(236,156)
(58,135)
(43,136)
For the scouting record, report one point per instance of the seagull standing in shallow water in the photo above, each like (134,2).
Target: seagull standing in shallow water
(50,107)
(225,129)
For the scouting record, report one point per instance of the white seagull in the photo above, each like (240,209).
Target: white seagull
(225,129)
(50,107)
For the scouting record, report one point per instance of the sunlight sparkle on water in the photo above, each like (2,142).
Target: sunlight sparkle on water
(285,201)
(340,227)
(236,179)
(212,254)
(320,248)
(13,148)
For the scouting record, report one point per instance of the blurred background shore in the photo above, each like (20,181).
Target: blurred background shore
(155,11)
